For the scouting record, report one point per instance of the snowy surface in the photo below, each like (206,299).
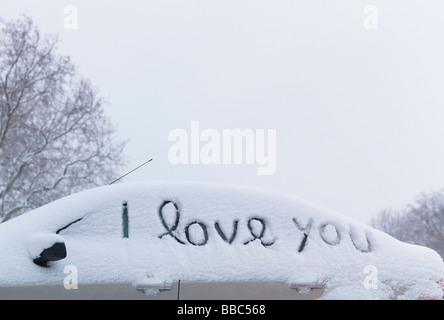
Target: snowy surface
(209,232)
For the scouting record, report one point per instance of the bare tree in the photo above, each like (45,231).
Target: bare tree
(55,138)
(390,221)
(419,223)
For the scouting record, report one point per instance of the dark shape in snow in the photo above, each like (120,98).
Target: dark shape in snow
(54,253)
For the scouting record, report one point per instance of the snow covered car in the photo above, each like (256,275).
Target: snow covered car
(194,240)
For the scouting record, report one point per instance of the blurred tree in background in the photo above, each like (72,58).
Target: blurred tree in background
(419,223)
(55,138)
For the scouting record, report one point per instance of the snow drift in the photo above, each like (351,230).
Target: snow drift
(165,232)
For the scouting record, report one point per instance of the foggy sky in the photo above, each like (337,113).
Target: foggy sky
(358,113)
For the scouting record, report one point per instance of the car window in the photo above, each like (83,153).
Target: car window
(104,223)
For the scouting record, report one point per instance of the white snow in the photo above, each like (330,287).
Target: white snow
(36,243)
(209,232)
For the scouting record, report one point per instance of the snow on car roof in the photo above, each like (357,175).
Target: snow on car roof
(189,231)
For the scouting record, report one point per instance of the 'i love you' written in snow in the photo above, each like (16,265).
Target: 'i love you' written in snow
(196,232)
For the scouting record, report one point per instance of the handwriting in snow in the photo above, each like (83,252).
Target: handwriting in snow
(196,231)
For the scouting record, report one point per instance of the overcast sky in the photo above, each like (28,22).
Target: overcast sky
(358,112)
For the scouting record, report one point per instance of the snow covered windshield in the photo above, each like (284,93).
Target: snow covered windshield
(165,232)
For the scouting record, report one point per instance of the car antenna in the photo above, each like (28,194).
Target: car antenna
(131,171)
